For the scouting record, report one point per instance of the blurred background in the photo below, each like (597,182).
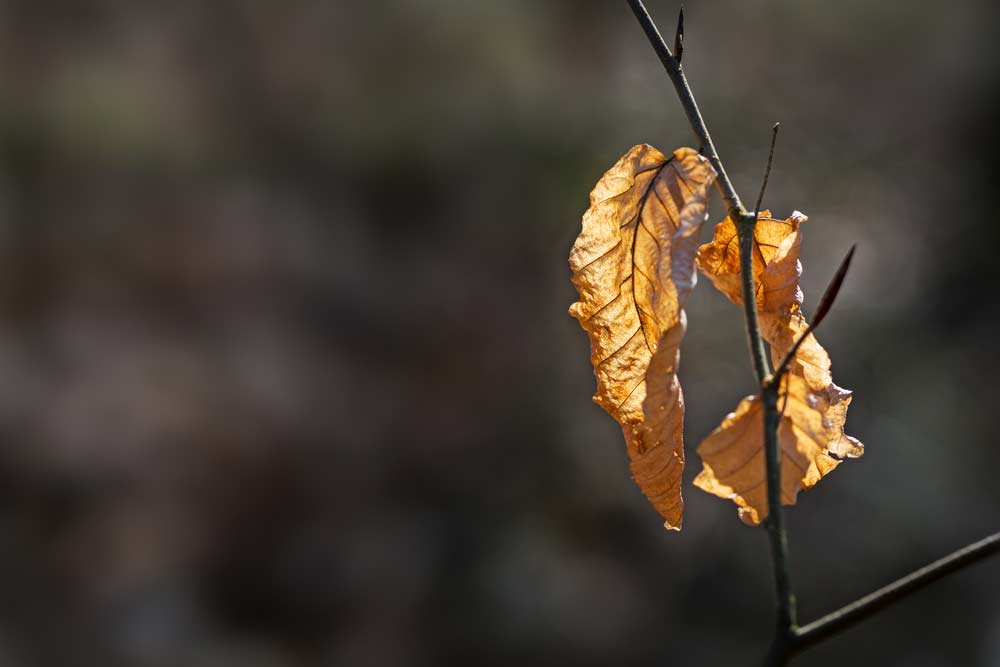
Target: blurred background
(287,377)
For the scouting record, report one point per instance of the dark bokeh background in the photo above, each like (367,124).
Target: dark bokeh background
(286,373)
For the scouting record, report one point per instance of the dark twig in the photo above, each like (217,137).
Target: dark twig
(831,291)
(825,303)
(870,604)
(670,64)
(743,220)
(785,622)
(745,223)
(679,37)
(787,638)
(767,170)
(784,400)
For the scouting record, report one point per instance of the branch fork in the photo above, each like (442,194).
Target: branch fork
(789,639)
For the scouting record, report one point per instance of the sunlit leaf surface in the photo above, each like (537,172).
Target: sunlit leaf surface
(811,432)
(633,266)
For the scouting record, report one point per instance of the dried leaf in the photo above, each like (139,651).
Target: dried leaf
(814,409)
(720,259)
(633,266)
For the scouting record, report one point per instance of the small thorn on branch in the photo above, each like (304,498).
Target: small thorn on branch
(825,304)
(767,169)
(679,37)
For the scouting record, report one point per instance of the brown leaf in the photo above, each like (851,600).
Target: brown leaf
(814,409)
(720,259)
(633,266)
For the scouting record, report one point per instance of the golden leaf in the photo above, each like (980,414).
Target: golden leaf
(811,431)
(633,266)
(720,259)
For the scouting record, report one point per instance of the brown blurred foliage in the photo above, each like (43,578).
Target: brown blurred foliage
(286,375)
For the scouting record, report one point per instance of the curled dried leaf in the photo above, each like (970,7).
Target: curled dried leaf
(633,266)
(720,259)
(811,430)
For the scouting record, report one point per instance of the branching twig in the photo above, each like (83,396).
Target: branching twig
(788,638)
(825,303)
(723,183)
(745,223)
(870,604)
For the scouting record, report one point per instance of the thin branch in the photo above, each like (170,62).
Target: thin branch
(767,170)
(833,289)
(825,303)
(787,360)
(670,64)
(787,638)
(786,619)
(679,37)
(745,223)
(744,230)
(734,207)
(870,604)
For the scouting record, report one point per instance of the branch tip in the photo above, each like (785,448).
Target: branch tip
(679,36)
(825,304)
(767,169)
(686,97)
(830,295)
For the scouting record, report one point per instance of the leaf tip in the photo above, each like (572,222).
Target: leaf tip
(748,515)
